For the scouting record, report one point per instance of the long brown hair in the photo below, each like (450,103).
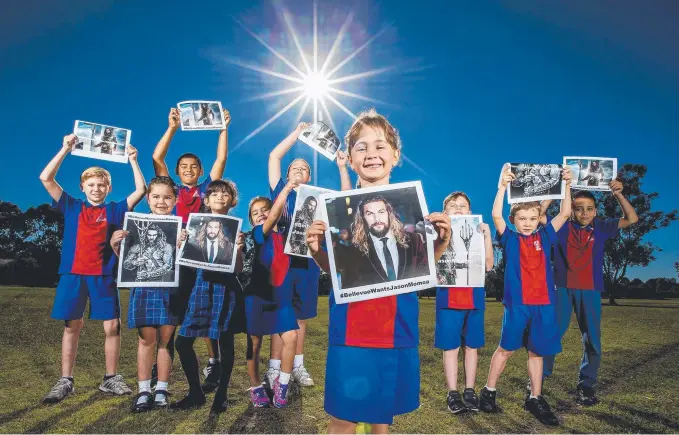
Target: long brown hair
(360,232)
(202,234)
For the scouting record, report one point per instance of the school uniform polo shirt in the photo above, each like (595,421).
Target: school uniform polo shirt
(461,298)
(190,199)
(85,248)
(529,278)
(579,255)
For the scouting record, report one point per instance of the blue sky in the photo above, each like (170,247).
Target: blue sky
(473,85)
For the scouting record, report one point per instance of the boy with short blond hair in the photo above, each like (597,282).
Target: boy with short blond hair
(529,316)
(87,264)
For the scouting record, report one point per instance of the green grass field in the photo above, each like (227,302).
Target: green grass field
(639,379)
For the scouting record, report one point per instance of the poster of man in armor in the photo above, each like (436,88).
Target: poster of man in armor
(321,138)
(535,182)
(148,253)
(463,263)
(592,173)
(201,115)
(306,207)
(101,141)
(211,242)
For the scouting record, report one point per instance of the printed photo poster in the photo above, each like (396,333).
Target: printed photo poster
(592,173)
(149,252)
(321,138)
(535,182)
(378,244)
(201,115)
(211,242)
(99,141)
(464,262)
(306,211)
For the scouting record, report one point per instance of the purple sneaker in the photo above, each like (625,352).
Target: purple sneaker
(259,398)
(280,394)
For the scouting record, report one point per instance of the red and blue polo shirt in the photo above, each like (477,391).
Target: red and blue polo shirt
(85,249)
(387,323)
(529,278)
(579,255)
(461,298)
(190,199)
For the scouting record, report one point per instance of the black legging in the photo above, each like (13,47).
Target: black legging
(189,360)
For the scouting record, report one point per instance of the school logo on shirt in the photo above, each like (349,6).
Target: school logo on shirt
(195,193)
(101,218)
(537,245)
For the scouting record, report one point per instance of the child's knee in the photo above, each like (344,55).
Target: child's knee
(533,355)
(112,328)
(503,353)
(74,326)
(471,350)
(289,338)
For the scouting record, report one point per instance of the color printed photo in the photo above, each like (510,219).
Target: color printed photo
(592,173)
(201,115)
(100,141)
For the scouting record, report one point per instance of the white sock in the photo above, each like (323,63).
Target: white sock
(275,364)
(284,378)
(145,386)
(161,386)
(299,360)
(533,397)
(488,388)
(213,361)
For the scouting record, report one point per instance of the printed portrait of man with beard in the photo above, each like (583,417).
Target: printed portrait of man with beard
(303,218)
(211,244)
(380,249)
(152,257)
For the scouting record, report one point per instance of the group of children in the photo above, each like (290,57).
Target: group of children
(373,368)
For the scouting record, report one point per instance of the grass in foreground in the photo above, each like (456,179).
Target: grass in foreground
(639,379)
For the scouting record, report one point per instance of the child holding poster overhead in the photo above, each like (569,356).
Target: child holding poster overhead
(303,274)
(388,366)
(460,320)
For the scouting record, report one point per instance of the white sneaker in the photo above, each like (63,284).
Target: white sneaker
(271,375)
(301,376)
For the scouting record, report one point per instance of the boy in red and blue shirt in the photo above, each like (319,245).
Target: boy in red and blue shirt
(579,278)
(189,169)
(87,262)
(529,316)
(460,318)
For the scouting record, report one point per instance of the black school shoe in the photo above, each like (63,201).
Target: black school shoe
(487,401)
(470,399)
(541,410)
(218,406)
(143,406)
(455,403)
(586,396)
(188,402)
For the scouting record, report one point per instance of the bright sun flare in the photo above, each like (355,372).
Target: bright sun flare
(316,85)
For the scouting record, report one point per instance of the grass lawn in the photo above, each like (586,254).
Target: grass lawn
(639,379)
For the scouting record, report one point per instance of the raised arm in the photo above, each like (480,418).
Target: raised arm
(47,175)
(629,214)
(566,204)
(345,179)
(139,182)
(159,165)
(314,236)
(544,205)
(498,219)
(276,156)
(217,171)
(277,208)
(488,244)
(240,245)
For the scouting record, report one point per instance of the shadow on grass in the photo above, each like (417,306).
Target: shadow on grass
(44,425)
(650,416)
(7,418)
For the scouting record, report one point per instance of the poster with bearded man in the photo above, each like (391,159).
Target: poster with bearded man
(388,248)
(211,242)
(148,253)
(306,211)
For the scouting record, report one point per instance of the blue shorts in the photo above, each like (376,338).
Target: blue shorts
(453,327)
(73,291)
(531,326)
(371,385)
(265,317)
(304,284)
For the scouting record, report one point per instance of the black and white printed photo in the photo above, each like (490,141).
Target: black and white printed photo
(592,173)
(535,182)
(378,244)
(148,253)
(306,211)
(101,141)
(321,138)
(211,242)
(463,264)
(201,115)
